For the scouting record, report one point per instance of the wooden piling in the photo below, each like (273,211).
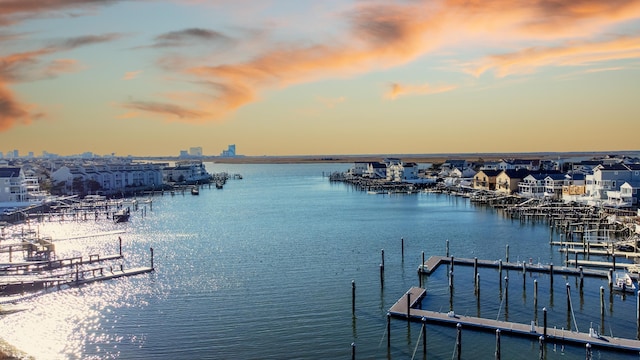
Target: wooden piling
(447,248)
(544,321)
(602,302)
(507,251)
(353,297)
(388,330)
(382,254)
(475,267)
(120,246)
(353,351)
(402,246)
(151,250)
(535,294)
(541,345)
(497,344)
(588,351)
(409,307)
(459,341)
(424,335)
(581,278)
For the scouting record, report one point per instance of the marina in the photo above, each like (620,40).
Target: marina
(203,246)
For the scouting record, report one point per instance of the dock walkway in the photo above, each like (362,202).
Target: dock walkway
(434,261)
(401,309)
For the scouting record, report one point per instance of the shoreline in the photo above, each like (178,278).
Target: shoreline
(417,158)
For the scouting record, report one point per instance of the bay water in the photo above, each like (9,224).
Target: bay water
(263,269)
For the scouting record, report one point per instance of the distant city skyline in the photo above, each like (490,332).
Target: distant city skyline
(336,77)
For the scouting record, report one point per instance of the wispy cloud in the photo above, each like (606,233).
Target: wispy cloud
(31,66)
(396,90)
(15,11)
(193,36)
(575,53)
(130,75)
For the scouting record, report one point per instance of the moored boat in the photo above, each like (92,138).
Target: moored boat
(121,216)
(195,191)
(624,283)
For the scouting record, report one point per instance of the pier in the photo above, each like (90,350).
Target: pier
(407,308)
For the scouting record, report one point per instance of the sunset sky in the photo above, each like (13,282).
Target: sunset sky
(302,77)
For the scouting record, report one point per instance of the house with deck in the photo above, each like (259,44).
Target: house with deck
(486,179)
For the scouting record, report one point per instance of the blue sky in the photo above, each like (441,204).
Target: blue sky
(333,77)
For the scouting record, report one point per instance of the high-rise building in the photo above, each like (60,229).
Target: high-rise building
(230,152)
(195,151)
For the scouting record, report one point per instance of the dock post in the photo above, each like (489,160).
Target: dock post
(475,268)
(151,250)
(610,279)
(402,246)
(459,341)
(541,342)
(382,276)
(588,351)
(424,335)
(507,253)
(569,305)
(581,277)
(602,302)
(638,315)
(452,261)
(551,274)
(535,296)
(382,253)
(544,321)
(497,344)
(447,248)
(353,351)
(500,268)
(613,259)
(478,286)
(576,264)
(451,281)
(120,246)
(409,307)
(353,297)
(388,330)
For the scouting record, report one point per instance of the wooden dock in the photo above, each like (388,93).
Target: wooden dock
(434,261)
(406,308)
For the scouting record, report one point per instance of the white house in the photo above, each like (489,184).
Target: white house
(13,187)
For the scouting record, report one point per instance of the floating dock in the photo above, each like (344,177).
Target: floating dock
(406,308)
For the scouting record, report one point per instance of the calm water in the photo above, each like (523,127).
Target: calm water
(263,269)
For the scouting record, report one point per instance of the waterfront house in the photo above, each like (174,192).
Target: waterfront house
(507,181)
(190,172)
(518,164)
(606,178)
(485,179)
(532,186)
(13,187)
(490,165)
(376,170)
(553,184)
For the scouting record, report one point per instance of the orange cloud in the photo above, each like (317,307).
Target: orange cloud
(12,111)
(424,89)
(571,54)
(130,75)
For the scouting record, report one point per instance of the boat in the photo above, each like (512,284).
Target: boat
(624,283)
(219,185)
(195,191)
(121,216)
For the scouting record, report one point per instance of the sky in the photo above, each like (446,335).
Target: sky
(303,77)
